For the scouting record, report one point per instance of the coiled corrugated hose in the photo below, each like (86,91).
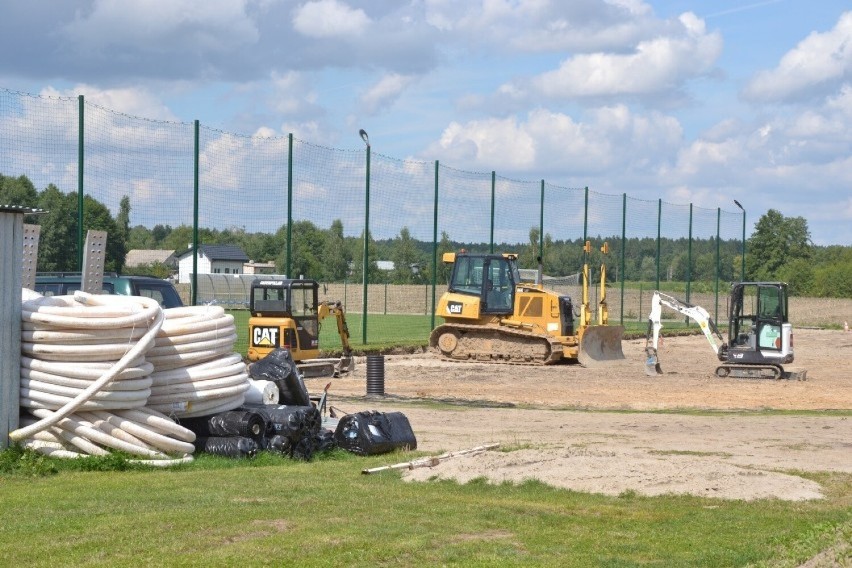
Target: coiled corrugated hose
(85,381)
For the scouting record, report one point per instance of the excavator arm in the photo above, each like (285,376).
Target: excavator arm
(697,313)
(326,309)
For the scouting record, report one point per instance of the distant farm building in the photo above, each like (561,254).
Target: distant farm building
(212,259)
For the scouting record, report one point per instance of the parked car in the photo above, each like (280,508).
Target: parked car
(65,283)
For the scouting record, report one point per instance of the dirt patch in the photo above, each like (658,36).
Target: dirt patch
(542,415)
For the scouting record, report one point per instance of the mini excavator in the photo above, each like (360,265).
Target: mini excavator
(760,335)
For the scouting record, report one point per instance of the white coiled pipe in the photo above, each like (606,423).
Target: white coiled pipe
(108,312)
(116,369)
(196,371)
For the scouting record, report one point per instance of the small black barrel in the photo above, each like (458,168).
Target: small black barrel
(376,375)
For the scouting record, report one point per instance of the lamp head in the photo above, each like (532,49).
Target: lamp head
(364,136)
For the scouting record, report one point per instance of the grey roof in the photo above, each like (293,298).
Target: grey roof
(220,252)
(136,257)
(20,209)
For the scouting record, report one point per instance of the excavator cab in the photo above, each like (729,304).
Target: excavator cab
(491,277)
(284,314)
(759,331)
(287,314)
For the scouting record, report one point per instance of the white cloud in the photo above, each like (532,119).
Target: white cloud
(610,138)
(329,19)
(292,94)
(655,65)
(818,64)
(544,25)
(135,101)
(159,25)
(383,93)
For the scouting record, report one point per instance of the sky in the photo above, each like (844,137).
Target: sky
(701,102)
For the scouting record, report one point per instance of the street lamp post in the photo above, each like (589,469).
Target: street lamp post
(742,272)
(366,264)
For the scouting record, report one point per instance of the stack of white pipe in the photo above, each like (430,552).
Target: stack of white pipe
(85,378)
(196,371)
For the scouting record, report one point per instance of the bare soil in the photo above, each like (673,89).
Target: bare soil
(611,429)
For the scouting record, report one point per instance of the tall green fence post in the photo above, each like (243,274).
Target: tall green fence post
(366,264)
(718,257)
(80,152)
(196,159)
(493,194)
(623,248)
(289,264)
(541,226)
(689,258)
(689,262)
(659,233)
(742,271)
(434,247)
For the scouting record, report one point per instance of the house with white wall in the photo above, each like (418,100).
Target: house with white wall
(212,259)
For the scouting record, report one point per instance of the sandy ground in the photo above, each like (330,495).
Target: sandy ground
(544,416)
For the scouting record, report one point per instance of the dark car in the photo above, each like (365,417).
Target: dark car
(63,284)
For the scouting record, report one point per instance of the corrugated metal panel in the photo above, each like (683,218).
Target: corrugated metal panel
(11,253)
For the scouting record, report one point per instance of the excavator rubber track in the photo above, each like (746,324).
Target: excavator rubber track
(476,343)
(759,372)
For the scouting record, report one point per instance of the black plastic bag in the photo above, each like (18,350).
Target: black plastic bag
(371,432)
(325,440)
(278,443)
(280,368)
(246,423)
(230,447)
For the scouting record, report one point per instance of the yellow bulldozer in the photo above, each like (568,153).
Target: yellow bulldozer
(491,315)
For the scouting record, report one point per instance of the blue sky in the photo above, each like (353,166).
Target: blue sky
(691,102)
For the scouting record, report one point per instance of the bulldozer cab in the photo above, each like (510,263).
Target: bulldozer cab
(758,312)
(284,314)
(491,277)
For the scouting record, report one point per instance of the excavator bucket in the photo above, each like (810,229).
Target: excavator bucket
(344,366)
(600,343)
(652,364)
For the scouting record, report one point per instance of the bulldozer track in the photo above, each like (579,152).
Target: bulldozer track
(475,344)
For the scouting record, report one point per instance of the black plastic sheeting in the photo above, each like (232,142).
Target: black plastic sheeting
(230,447)
(288,420)
(294,431)
(280,368)
(371,432)
(245,423)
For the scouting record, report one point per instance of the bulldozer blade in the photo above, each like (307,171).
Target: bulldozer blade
(600,343)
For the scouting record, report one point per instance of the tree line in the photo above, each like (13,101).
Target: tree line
(780,248)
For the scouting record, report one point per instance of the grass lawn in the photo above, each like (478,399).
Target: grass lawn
(392,330)
(275,511)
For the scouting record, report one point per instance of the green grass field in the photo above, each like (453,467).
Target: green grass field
(395,330)
(273,511)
